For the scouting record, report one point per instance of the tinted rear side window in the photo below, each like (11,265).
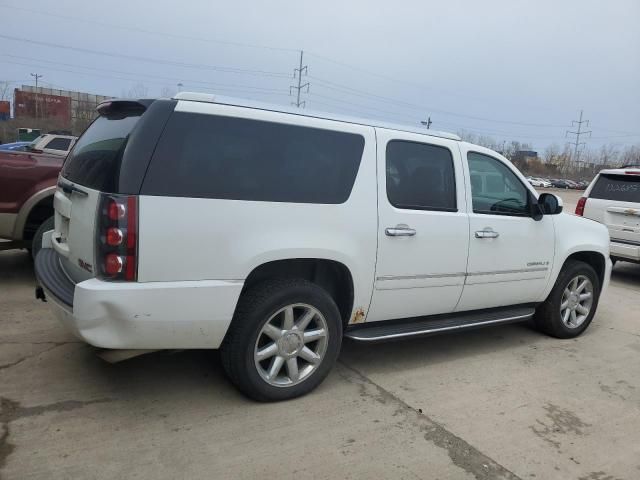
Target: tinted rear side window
(208,156)
(420,176)
(95,160)
(59,144)
(623,188)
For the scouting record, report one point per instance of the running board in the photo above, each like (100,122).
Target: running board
(410,327)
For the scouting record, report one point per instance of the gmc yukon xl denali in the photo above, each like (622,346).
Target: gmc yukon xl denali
(272,234)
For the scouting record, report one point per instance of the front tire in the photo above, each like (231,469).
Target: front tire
(571,305)
(283,341)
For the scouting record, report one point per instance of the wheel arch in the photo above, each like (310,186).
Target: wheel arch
(38,207)
(592,258)
(331,275)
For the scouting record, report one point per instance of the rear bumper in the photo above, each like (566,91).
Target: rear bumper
(627,250)
(150,315)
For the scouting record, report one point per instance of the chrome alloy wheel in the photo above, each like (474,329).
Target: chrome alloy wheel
(291,345)
(576,302)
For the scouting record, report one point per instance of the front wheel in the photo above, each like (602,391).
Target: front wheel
(571,305)
(283,341)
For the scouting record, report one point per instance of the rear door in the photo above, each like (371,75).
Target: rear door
(423,233)
(92,167)
(614,200)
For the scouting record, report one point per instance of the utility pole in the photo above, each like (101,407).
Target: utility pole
(299,71)
(578,134)
(36,76)
(427,123)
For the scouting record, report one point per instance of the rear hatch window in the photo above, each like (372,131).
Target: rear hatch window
(96,159)
(622,188)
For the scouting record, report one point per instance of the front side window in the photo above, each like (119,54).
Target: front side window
(495,189)
(420,176)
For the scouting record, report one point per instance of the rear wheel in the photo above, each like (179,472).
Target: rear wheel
(571,305)
(283,340)
(36,244)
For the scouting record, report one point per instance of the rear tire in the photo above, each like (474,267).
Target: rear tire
(283,341)
(36,243)
(572,304)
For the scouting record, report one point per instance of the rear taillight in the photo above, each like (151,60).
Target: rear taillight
(117,242)
(580,206)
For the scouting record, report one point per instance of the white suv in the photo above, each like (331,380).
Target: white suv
(271,234)
(613,199)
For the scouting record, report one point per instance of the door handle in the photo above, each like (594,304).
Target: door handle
(399,231)
(487,232)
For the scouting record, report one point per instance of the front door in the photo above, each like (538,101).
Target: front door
(510,254)
(423,232)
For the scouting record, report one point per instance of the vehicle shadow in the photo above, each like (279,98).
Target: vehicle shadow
(16,266)
(627,273)
(421,352)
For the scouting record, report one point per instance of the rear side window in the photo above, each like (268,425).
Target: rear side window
(59,144)
(96,158)
(209,156)
(623,188)
(420,176)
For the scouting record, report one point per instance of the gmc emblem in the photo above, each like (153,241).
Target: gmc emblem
(85,266)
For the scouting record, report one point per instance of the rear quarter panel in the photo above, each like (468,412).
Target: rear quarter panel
(212,239)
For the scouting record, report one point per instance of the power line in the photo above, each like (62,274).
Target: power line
(299,71)
(578,134)
(146,31)
(230,88)
(234,70)
(336,86)
(135,75)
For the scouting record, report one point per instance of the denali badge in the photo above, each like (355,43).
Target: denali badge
(85,266)
(535,264)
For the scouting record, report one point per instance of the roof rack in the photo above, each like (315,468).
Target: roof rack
(238,102)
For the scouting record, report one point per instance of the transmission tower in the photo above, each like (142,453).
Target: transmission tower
(578,134)
(297,73)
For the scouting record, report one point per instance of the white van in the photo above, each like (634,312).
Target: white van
(613,199)
(271,234)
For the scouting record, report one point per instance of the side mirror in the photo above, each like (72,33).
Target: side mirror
(548,204)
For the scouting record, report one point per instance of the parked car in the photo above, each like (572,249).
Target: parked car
(559,183)
(538,182)
(27,185)
(613,199)
(289,230)
(53,144)
(15,146)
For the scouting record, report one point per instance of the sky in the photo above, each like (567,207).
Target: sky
(508,69)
